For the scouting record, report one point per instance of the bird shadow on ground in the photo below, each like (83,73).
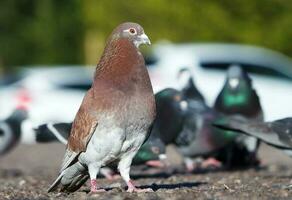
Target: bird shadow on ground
(156,187)
(167,174)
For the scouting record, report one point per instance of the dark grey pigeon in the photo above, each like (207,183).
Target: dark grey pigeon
(10,130)
(238,97)
(170,109)
(188,87)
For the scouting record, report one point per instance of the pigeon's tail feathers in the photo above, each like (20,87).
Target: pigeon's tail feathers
(236,124)
(54,185)
(71,179)
(69,159)
(261,131)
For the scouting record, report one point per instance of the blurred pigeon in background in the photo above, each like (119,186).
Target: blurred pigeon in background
(238,97)
(277,133)
(187,85)
(198,138)
(10,130)
(185,120)
(170,115)
(172,105)
(116,114)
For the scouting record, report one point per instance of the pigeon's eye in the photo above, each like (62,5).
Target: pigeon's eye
(155,150)
(132,31)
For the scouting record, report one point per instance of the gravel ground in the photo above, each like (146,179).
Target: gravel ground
(27,172)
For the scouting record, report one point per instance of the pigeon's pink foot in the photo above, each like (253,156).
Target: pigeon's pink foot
(190,166)
(132,188)
(93,188)
(155,163)
(211,162)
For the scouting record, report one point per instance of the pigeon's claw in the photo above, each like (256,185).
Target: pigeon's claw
(211,162)
(132,188)
(93,188)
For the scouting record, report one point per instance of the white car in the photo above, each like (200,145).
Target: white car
(52,94)
(270,71)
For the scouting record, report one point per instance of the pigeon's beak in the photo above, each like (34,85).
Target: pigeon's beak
(144,39)
(163,160)
(233,82)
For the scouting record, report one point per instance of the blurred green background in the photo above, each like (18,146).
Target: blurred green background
(73,32)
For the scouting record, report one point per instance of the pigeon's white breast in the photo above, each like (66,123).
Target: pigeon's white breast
(110,140)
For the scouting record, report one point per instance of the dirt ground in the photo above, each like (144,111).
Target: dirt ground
(27,172)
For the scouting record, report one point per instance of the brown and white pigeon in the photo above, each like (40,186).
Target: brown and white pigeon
(115,116)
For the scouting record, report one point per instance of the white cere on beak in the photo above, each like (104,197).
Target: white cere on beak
(183,105)
(142,39)
(162,156)
(233,82)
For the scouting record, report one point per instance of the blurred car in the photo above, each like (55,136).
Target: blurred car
(51,93)
(54,94)
(271,71)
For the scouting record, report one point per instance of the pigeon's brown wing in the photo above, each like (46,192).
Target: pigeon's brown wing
(83,128)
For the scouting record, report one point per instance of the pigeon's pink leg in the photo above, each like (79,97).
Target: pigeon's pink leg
(124,167)
(132,188)
(93,170)
(93,188)
(211,162)
(190,164)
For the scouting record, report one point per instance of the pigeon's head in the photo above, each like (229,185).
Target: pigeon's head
(237,78)
(133,32)
(184,77)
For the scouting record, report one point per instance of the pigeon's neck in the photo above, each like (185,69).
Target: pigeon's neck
(191,91)
(119,58)
(121,65)
(245,102)
(236,98)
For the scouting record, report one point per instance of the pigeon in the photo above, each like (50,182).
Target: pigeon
(170,115)
(198,137)
(187,123)
(187,86)
(172,105)
(184,119)
(238,97)
(115,117)
(276,133)
(10,130)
